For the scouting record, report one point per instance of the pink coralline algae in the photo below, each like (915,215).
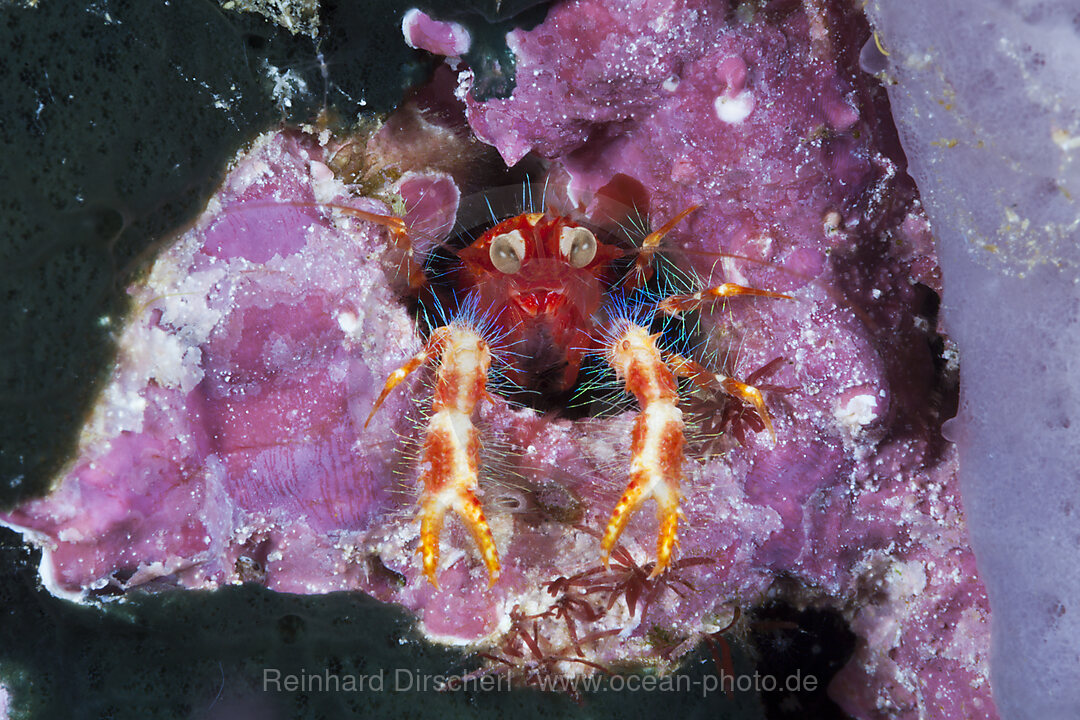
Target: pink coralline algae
(439,38)
(229,445)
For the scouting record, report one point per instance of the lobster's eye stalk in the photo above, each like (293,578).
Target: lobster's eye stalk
(578,246)
(506,252)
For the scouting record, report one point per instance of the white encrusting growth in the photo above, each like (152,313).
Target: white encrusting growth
(733,109)
(858,411)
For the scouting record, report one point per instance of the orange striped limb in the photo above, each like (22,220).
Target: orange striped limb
(433,348)
(643,264)
(451,454)
(656,445)
(708,380)
(399,232)
(676,304)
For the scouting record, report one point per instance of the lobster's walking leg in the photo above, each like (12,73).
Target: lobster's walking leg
(698,374)
(452,444)
(675,304)
(399,233)
(704,378)
(657,443)
(642,268)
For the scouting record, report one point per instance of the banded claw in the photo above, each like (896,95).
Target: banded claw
(656,445)
(452,445)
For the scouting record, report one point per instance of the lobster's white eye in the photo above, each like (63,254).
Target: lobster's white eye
(506,251)
(577,245)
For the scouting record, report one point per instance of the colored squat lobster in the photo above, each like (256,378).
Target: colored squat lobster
(556,289)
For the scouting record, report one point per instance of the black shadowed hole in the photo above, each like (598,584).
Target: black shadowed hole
(793,646)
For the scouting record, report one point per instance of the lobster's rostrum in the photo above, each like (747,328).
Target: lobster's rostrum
(550,289)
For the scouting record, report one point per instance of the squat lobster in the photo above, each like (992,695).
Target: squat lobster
(555,289)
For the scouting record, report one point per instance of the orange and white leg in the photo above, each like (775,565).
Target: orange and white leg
(708,380)
(399,234)
(701,376)
(641,271)
(452,445)
(657,443)
(676,304)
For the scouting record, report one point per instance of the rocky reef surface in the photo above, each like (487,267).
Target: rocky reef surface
(229,445)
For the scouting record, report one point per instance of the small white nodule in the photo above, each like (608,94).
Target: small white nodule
(733,109)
